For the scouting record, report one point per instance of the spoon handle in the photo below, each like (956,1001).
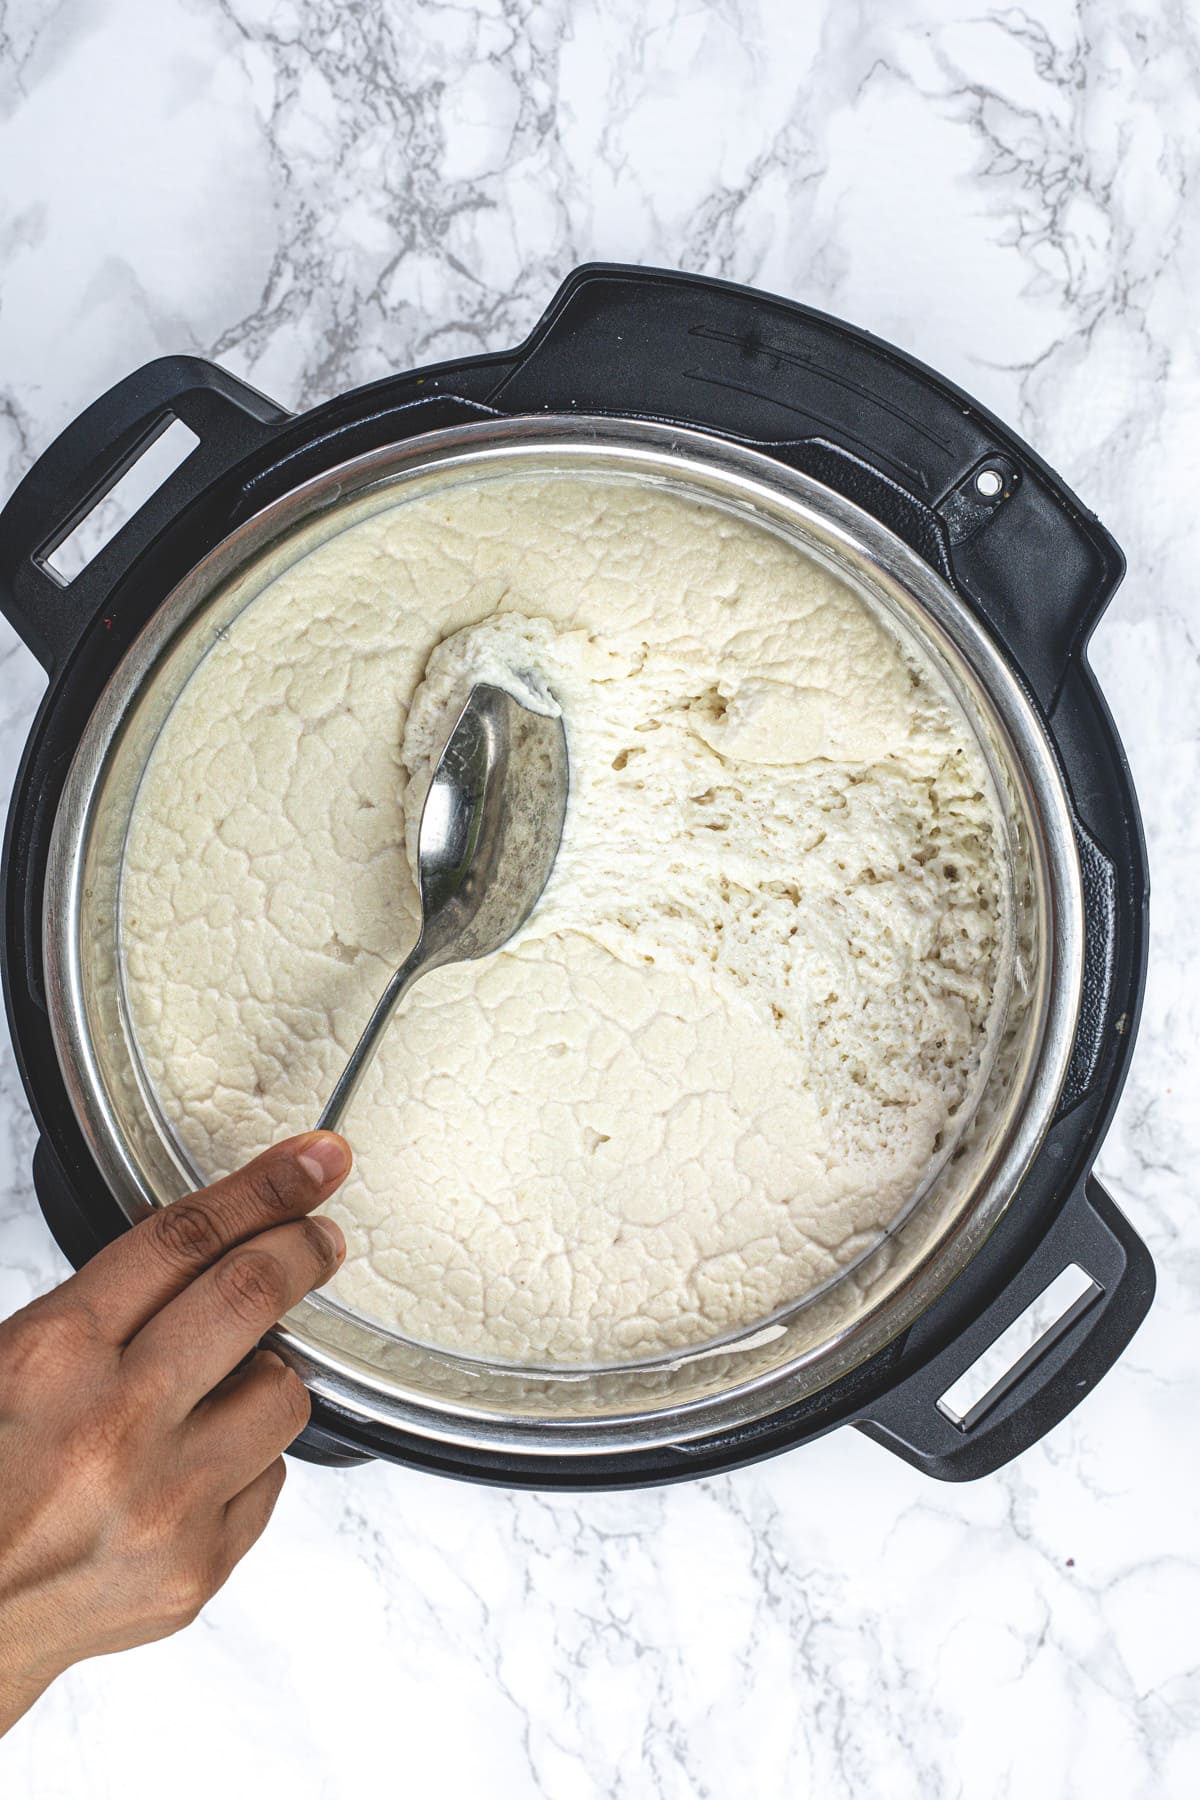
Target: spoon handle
(362,1056)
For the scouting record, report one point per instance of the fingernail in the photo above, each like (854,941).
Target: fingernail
(334,1234)
(325,1158)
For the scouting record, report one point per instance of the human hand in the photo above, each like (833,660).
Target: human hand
(138,1461)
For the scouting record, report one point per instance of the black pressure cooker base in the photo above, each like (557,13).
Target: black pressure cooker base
(865,420)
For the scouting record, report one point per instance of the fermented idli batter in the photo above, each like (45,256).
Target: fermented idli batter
(718,1061)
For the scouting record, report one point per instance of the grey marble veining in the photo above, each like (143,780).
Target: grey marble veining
(317,194)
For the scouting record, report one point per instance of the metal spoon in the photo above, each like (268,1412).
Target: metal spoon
(490,830)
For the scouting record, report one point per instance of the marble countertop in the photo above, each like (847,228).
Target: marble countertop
(318,194)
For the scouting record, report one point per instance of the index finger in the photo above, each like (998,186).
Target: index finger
(129,1281)
(191,1345)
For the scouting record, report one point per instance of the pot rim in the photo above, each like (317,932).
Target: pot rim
(862,551)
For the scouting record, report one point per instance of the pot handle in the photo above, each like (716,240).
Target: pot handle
(1053,1376)
(80,467)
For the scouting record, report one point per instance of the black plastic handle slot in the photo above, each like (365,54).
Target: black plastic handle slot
(81,466)
(169,443)
(1053,1377)
(1003,1365)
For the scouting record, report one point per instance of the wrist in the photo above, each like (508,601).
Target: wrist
(22,1679)
(19,1688)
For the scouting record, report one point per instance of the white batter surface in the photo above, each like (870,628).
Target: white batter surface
(719,1059)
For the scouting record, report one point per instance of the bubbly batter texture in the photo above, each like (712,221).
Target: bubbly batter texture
(718,1061)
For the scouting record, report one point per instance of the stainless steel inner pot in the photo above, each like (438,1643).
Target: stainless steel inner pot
(372,1372)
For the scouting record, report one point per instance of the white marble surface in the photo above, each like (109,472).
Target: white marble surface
(317,194)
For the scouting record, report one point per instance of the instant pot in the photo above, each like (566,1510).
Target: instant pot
(943,520)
